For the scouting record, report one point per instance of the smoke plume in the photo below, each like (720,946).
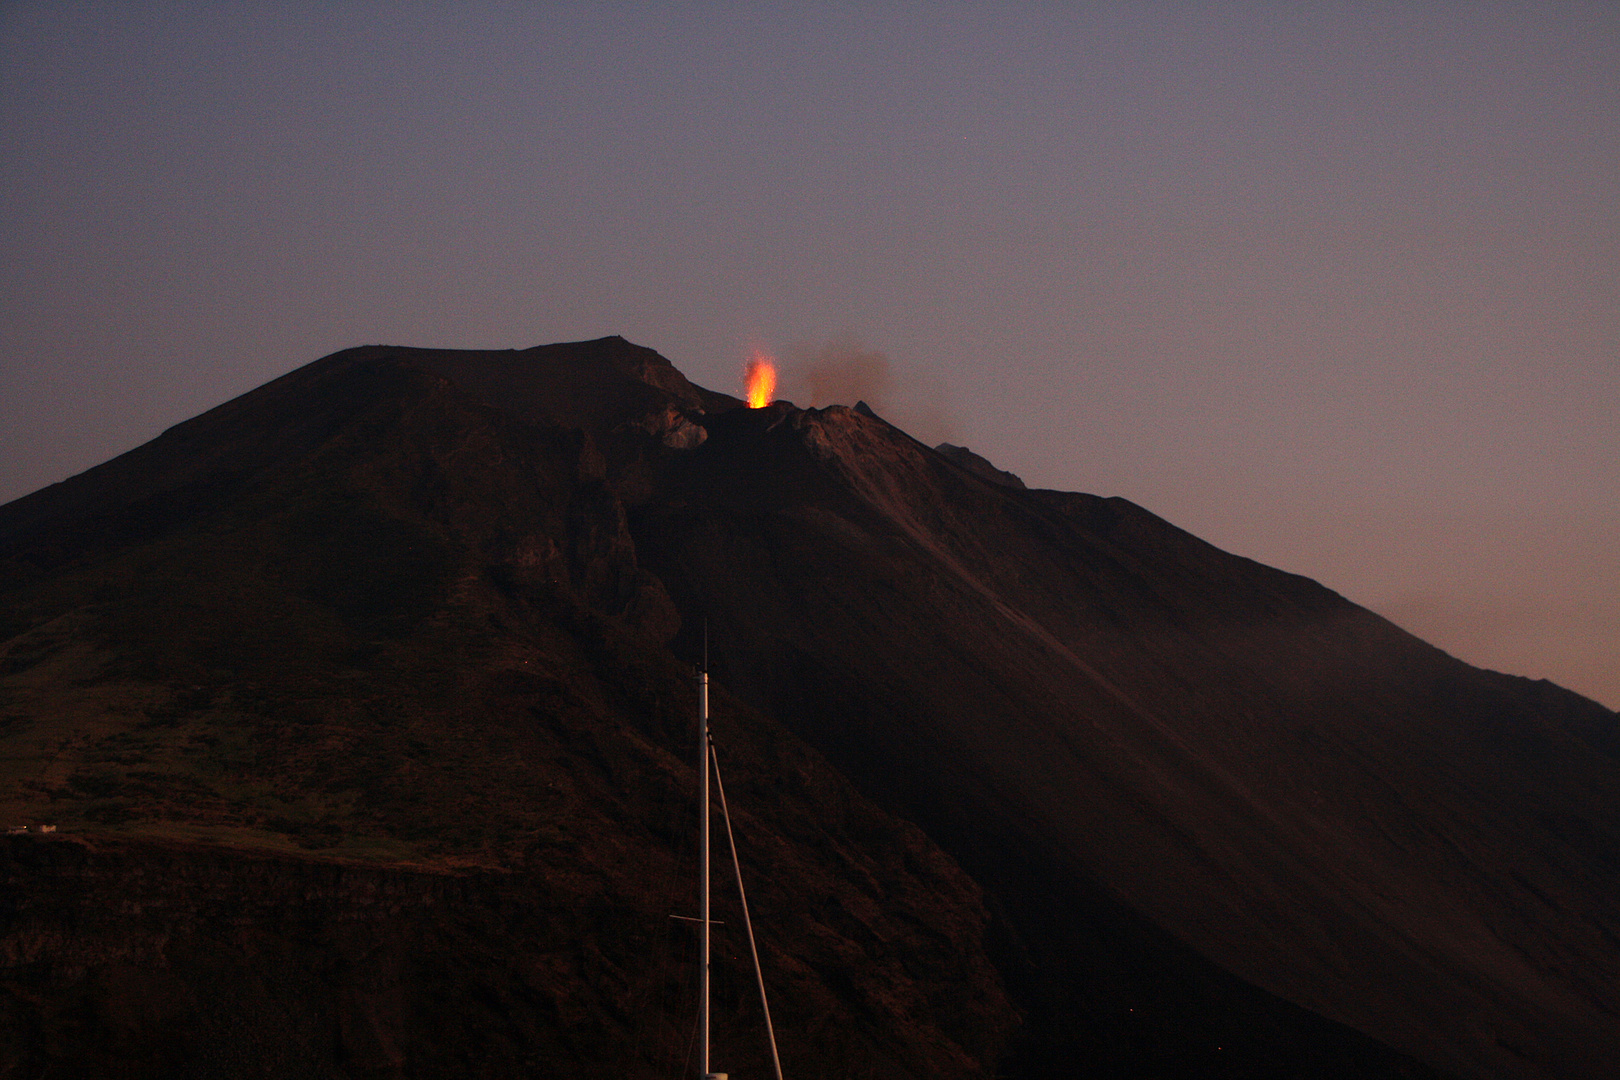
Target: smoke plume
(843,371)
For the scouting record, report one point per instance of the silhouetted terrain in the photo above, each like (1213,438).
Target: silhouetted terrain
(363,706)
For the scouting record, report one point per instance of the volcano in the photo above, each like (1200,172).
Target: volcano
(361,705)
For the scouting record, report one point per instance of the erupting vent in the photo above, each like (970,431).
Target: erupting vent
(761,379)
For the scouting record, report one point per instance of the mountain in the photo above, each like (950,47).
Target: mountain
(363,706)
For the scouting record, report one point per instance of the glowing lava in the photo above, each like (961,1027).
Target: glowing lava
(761,378)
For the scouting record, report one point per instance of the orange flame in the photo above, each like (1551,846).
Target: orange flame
(761,381)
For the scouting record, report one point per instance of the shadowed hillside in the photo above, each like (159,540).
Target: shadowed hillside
(365,699)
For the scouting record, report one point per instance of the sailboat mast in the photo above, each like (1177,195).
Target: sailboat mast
(703,865)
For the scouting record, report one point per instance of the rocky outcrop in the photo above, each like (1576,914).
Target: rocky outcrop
(979,465)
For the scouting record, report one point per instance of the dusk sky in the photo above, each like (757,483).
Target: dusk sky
(1334,286)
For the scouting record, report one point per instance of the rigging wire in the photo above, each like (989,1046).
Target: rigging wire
(748,923)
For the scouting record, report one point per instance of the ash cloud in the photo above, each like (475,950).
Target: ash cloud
(843,371)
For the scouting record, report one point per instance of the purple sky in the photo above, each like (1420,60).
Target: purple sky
(1333,286)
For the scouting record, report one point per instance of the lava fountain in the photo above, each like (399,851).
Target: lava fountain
(761,379)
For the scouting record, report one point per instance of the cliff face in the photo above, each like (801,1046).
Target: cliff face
(144,959)
(367,698)
(138,959)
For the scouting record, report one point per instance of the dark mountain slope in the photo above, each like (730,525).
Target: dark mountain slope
(1307,795)
(378,649)
(426,612)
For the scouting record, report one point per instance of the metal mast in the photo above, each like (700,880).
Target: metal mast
(703,862)
(707,759)
(742,897)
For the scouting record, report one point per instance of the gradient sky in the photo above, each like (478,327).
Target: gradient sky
(1335,286)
